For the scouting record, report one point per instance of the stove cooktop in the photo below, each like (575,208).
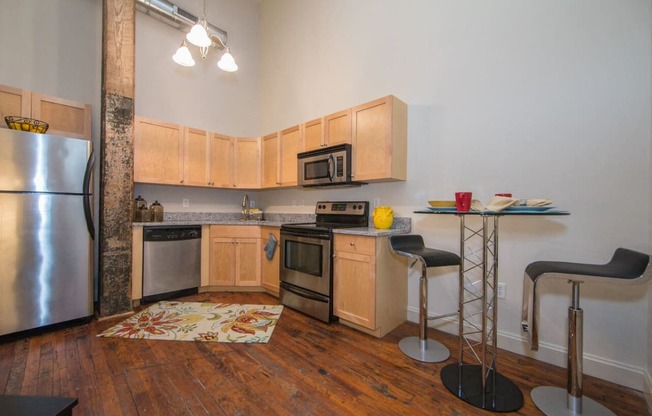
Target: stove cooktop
(336,214)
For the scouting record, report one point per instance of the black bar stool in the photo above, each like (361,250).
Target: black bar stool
(625,267)
(411,246)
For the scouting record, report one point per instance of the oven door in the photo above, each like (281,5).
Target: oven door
(306,262)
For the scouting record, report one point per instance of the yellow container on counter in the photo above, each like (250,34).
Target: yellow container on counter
(383,217)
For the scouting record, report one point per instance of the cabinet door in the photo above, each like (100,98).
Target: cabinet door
(158,152)
(337,128)
(65,117)
(14,102)
(313,135)
(354,288)
(222,262)
(270,268)
(247,163)
(195,157)
(247,262)
(221,161)
(270,177)
(290,140)
(380,140)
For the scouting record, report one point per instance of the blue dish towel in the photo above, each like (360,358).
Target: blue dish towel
(270,247)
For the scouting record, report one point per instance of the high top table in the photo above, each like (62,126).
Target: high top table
(480,384)
(36,405)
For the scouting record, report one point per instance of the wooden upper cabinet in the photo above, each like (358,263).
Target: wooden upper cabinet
(195,157)
(246,163)
(221,161)
(64,117)
(270,149)
(167,153)
(14,102)
(337,128)
(289,143)
(380,140)
(313,135)
(158,152)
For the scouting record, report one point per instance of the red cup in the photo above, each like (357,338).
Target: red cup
(505,195)
(463,201)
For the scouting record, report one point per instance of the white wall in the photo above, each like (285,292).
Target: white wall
(542,99)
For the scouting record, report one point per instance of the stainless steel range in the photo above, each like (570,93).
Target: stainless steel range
(307,256)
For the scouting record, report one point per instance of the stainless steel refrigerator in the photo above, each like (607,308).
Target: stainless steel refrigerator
(46,230)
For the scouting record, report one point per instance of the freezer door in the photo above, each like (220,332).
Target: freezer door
(45,266)
(31,162)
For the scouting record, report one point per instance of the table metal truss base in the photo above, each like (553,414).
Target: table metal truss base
(499,395)
(478,323)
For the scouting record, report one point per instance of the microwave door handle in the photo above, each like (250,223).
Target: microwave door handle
(331,167)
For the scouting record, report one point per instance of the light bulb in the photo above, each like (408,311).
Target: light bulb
(183,56)
(227,63)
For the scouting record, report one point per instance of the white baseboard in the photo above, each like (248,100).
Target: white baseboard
(616,372)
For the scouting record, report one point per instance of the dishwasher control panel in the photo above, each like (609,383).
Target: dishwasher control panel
(171,233)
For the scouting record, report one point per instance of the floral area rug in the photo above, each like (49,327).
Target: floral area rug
(195,321)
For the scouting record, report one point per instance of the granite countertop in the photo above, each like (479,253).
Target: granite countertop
(400,226)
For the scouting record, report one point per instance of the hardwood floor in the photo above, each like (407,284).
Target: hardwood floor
(307,368)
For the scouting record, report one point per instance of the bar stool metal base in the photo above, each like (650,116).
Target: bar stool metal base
(434,352)
(553,402)
(502,396)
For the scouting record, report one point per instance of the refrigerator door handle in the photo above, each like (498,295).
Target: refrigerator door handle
(87,195)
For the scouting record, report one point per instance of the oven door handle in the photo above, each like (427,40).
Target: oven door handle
(303,293)
(331,167)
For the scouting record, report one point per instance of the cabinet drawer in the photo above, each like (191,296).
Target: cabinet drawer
(235,231)
(355,244)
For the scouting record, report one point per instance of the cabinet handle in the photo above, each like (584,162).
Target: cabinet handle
(181,181)
(352,244)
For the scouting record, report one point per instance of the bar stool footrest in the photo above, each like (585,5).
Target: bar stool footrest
(553,401)
(434,352)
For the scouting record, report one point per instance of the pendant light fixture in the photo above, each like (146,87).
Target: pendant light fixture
(199,36)
(202,34)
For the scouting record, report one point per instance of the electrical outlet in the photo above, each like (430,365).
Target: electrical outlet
(185,202)
(376,202)
(252,204)
(502,290)
(294,202)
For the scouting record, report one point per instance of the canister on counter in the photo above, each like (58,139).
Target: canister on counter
(157,211)
(143,214)
(139,203)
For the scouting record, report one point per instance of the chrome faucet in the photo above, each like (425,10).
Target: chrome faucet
(245,207)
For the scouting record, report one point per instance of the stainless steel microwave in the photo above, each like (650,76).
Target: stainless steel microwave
(326,167)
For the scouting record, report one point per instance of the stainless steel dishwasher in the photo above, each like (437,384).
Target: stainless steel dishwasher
(171,261)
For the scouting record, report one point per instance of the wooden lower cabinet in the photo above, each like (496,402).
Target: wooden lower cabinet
(370,284)
(234,256)
(270,268)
